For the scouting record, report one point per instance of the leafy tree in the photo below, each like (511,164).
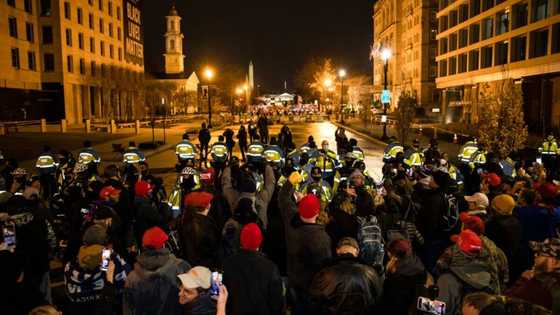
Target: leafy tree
(405,114)
(502,127)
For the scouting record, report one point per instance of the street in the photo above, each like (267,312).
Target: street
(163,163)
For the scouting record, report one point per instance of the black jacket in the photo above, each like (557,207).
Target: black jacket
(147,216)
(345,286)
(254,284)
(429,219)
(506,232)
(242,136)
(399,288)
(204,136)
(308,245)
(228,134)
(200,240)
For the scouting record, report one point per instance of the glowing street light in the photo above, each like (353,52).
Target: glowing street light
(328,83)
(386,54)
(209,73)
(239,91)
(342,73)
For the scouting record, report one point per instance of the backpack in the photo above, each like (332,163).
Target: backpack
(370,240)
(451,216)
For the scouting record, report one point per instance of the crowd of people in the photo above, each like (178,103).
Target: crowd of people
(282,229)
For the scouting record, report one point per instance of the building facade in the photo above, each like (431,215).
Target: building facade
(408,29)
(177,89)
(482,43)
(86,54)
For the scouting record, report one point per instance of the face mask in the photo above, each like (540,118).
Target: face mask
(325,148)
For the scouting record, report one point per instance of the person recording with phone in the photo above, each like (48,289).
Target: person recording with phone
(202,291)
(94,280)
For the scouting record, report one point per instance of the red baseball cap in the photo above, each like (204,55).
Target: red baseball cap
(309,206)
(198,199)
(492,179)
(251,237)
(108,191)
(472,222)
(468,242)
(154,238)
(142,188)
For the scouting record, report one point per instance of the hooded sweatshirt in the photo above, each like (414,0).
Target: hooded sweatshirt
(152,287)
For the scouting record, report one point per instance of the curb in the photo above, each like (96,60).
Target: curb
(361,134)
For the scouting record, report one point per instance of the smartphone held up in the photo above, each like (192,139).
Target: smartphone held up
(105,258)
(216,281)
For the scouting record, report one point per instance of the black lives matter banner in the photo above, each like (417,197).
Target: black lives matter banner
(133,38)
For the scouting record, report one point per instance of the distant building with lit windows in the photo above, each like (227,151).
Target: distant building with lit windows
(408,29)
(482,42)
(72,59)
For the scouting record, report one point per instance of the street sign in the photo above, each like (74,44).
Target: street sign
(383,118)
(385,97)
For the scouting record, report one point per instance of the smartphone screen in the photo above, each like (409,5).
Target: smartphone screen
(431,306)
(105,257)
(216,282)
(10,235)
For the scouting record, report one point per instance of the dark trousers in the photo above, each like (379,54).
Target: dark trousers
(243,149)
(204,153)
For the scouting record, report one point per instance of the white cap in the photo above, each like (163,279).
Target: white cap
(479,199)
(197,277)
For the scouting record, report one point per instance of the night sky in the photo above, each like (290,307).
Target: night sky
(279,36)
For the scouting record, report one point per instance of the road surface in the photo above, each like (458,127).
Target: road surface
(163,163)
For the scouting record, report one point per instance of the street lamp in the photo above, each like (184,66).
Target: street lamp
(341,75)
(164,118)
(209,74)
(385,56)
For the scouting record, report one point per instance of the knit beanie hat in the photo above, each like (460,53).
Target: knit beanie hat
(473,223)
(154,238)
(142,189)
(89,257)
(503,204)
(468,242)
(95,235)
(309,206)
(251,237)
